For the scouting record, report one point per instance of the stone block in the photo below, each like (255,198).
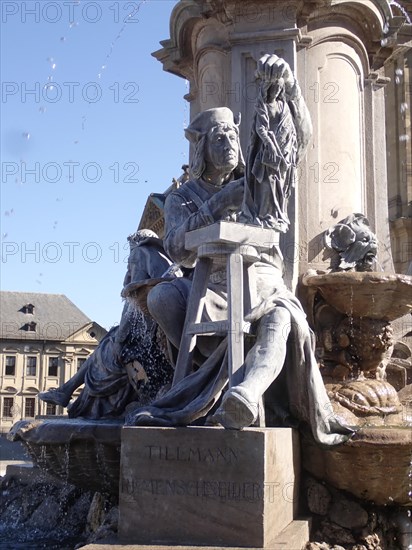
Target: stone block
(231,232)
(294,537)
(207,486)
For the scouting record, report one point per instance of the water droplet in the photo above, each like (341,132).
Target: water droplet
(73,24)
(404,137)
(103,67)
(99,75)
(384,42)
(53,66)
(404,107)
(399,72)
(386,28)
(26,135)
(5,235)
(42,109)
(63,39)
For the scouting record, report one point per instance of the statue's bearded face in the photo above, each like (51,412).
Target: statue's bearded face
(222,148)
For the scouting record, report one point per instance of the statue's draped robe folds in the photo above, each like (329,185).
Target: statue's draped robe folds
(107,388)
(271,163)
(297,394)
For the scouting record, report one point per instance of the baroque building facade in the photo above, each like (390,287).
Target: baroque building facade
(44,340)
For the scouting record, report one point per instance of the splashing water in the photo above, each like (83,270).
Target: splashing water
(136,9)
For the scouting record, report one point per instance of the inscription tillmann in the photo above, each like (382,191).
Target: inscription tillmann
(212,455)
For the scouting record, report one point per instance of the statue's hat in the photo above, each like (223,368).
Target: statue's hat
(207,120)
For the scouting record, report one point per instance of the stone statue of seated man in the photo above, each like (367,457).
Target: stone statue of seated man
(280,365)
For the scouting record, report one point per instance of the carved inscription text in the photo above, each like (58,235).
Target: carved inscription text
(214,455)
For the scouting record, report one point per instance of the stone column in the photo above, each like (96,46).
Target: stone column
(399,149)
(337,50)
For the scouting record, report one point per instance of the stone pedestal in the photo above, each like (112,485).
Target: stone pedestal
(207,486)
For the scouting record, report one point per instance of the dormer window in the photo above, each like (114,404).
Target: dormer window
(28,308)
(30,327)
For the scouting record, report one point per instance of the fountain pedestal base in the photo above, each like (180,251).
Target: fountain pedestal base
(207,486)
(375,465)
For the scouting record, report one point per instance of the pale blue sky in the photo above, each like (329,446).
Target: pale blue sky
(98,145)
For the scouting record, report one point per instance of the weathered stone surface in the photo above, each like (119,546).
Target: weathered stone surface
(318,497)
(37,508)
(348,514)
(293,537)
(82,452)
(336,534)
(373,295)
(209,486)
(372,466)
(322,546)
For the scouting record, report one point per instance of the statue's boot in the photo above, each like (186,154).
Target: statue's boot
(55,397)
(264,362)
(236,411)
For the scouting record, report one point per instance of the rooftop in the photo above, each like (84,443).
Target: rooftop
(39,316)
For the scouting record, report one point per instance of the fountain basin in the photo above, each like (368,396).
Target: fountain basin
(85,453)
(373,466)
(365,294)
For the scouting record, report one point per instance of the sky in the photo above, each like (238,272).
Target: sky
(90,126)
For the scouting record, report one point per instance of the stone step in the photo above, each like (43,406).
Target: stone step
(293,537)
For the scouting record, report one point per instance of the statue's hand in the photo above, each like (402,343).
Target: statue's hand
(228,199)
(275,72)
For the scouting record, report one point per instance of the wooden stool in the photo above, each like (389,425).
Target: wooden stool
(237,247)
